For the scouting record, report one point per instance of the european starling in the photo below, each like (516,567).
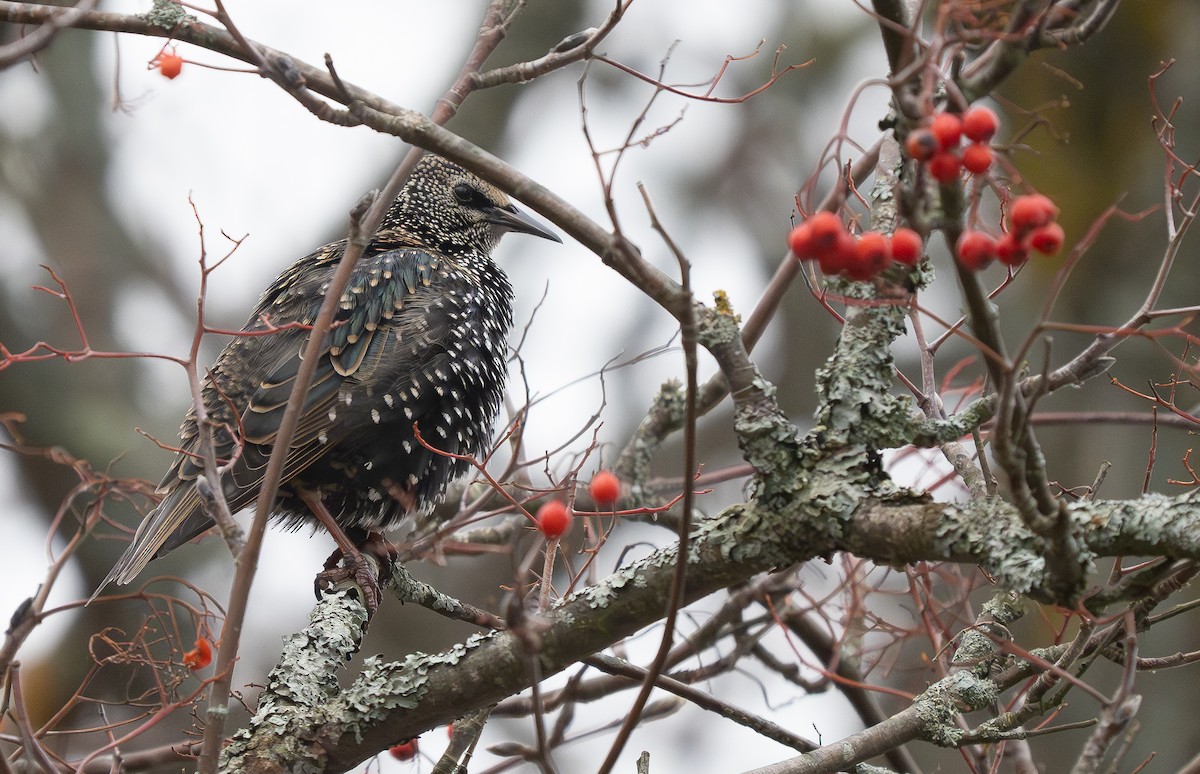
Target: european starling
(419,339)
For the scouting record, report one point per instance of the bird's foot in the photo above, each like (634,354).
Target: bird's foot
(366,567)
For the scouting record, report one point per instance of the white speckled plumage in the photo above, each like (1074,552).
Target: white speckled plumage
(420,338)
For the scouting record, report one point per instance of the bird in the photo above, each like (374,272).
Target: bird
(418,344)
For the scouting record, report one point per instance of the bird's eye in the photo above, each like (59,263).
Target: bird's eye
(469,195)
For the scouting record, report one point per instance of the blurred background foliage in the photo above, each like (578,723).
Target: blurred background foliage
(87,135)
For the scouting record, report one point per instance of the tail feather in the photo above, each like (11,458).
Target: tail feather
(176,520)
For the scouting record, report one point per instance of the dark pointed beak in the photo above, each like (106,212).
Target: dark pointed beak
(511,219)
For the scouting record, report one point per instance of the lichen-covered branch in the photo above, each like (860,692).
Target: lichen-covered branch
(398,700)
(300,692)
(390,701)
(990,533)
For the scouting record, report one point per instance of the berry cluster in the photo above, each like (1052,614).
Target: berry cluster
(1032,225)
(553,518)
(824,238)
(938,144)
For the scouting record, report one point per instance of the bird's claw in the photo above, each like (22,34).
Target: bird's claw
(367,568)
(359,570)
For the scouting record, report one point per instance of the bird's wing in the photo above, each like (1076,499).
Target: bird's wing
(376,292)
(380,286)
(378,289)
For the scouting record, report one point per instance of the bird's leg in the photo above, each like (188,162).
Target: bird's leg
(359,568)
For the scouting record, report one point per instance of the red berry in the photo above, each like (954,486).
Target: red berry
(975,250)
(907,247)
(1031,211)
(841,257)
(553,519)
(921,144)
(200,656)
(1047,239)
(800,241)
(872,255)
(169,64)
(824,229)
(405,751)
(947,128)
(977,158)
(605,489)
(1010,251)
(945,167)
(980,124)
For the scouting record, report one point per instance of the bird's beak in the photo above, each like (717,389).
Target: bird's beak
(511,219)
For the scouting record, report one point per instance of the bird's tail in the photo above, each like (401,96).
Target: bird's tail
(177,519)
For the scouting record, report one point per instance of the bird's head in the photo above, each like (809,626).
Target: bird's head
(454,210)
